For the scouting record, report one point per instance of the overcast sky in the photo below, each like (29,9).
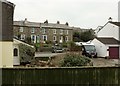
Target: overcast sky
(78,13)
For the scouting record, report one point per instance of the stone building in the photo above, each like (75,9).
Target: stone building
(42,32)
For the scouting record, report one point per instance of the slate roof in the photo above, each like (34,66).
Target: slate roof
(44,25)
(108,40)
(5,1)
(116,23)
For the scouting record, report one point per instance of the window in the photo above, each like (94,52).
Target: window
(44,37)
(32,30)
(66,38)
(43,30)
(22,37)
(61,39)
(54,38)
(61,31)
(33,38)
(15,52)
(54,31)
(21,29)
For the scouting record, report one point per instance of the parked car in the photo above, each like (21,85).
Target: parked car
(57,49)
(88,49)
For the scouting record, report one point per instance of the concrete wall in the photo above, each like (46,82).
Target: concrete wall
(110,30)
(100,48)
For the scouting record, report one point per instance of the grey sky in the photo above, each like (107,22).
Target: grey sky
(79,13)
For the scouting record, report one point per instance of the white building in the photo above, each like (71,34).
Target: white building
(16,58)
(107,42)
(119,11)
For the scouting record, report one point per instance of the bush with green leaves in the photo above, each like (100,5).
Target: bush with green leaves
(74,47)
(26,53)
(73,60)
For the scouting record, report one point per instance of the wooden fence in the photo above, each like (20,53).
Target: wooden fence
(86,76)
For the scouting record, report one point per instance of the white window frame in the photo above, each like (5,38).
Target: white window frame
(34,38)
(43,36)
(43,30)
(61,39)
(21,29)
(32,30)
(54,38)
(54,31)
(22,36)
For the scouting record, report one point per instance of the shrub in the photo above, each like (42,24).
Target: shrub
(71,60)
(74,47)
(26,53)
(37,46)
(64,45)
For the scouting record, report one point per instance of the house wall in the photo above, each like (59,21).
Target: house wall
(6,34)
(0,33)
(16,59)
(109,30)
(38,31)
(6,53)
(100,48)
(119,11)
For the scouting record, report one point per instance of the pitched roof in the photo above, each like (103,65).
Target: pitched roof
(44,25)
(16,41)
(108,40)
(7,2)
(116,23)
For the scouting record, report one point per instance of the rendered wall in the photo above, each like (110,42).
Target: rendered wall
(110,30)
(100,48)
(7,54)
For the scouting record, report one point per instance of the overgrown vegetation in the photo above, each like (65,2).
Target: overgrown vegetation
(74,47)
(73,60)
(26,53)
(83,36)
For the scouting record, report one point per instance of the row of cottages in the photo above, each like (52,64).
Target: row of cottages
(42,32)
(107,42)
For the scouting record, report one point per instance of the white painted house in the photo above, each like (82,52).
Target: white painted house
(107,42)
(16,58)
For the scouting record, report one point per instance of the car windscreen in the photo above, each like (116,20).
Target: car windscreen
(89,47)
